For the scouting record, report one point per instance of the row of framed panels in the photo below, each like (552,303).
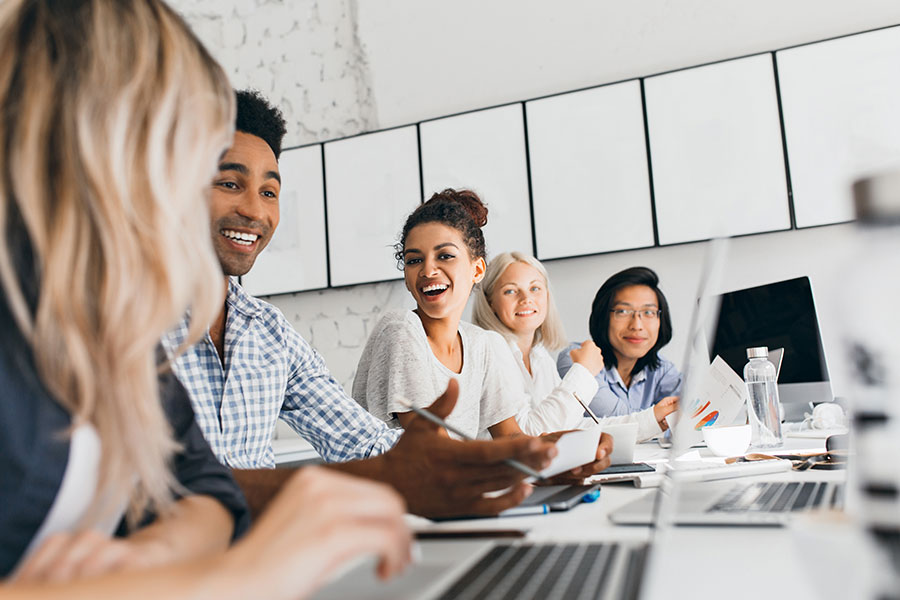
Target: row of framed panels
(750,145)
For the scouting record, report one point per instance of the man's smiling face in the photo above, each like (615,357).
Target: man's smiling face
(244,203)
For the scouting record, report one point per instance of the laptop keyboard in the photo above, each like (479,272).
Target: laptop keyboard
(780,497)
(552,571)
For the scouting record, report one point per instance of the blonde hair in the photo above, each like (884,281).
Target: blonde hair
(113,117)
(551,333)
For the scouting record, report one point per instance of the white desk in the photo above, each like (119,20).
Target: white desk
(685,562)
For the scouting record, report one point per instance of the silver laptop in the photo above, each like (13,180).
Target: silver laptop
(765,503)
(496,569)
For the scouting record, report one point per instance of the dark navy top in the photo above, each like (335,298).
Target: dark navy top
(33,453)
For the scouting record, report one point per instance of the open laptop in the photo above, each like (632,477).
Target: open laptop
(765,503)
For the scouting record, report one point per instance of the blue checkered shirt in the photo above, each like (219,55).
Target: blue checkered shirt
(270,372)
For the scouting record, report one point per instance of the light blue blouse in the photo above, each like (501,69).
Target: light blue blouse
(648,387)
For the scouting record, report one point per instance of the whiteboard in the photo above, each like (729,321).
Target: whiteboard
(716,151)
(483,151)
(841,103)
(589,179)
(372,186)
(295,259)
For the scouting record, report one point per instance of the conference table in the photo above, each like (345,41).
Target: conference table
(799,561)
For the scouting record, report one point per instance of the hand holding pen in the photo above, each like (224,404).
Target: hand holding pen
(522,468)
(443,477)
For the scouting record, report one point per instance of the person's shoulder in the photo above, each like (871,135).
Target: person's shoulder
(270,324)
(481,336)
(567,348)
(397,321)
(489,344)
(396,332)
(240,299)
(665,365)
(540,352)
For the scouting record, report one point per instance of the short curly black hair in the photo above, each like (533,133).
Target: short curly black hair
(257,117)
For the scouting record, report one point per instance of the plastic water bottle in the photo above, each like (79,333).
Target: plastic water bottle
(763,406)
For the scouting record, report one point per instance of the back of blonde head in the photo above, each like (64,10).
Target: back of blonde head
(550,333)
(113,117)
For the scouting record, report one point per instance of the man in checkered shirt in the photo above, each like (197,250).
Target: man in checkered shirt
(253,368)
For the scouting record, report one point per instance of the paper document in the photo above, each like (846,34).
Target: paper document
(722,396)
(574,449)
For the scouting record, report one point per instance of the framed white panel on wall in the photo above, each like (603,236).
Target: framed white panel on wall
(841,105)
(589,179)
(716,151)
(295,259)
(372,185)
(483,151)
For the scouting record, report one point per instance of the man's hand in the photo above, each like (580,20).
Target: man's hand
(442,477)
(576,476)
(664,408)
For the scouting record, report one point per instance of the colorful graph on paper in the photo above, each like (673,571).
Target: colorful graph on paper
(720,399)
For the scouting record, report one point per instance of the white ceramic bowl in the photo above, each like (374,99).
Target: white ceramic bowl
(731,440)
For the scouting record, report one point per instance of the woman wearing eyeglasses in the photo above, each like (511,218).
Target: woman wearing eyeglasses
(630,322)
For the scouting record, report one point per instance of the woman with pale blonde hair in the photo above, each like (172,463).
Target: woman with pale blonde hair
(112,118)
(515,300)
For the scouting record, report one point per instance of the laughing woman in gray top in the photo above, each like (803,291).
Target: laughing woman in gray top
(412,355)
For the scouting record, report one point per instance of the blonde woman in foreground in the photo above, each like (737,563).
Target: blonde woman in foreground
(112,118)
(514,299)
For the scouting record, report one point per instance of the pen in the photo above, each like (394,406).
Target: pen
(442,423)
(586,409)
(516,511)
(437,534)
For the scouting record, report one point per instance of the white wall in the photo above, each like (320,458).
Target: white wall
(337,67)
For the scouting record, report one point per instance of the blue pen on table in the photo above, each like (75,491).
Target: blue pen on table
(518,511)
(442,423)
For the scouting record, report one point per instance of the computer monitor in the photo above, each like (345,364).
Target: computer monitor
(777,315)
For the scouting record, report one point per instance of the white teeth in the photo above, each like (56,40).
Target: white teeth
(434,287)
(244,239)
(526,312)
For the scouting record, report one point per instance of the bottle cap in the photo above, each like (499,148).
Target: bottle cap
(877,199)
(758,352)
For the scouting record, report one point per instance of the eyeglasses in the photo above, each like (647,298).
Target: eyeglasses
(622,314)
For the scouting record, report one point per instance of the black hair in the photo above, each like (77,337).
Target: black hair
(462,210)
(603,303)
(257,117)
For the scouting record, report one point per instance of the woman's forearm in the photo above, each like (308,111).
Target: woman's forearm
(201,578)
(199,526)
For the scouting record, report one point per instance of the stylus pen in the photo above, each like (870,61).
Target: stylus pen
(442,423)
(587,409)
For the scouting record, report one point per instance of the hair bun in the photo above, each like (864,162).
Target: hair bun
(467,199)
